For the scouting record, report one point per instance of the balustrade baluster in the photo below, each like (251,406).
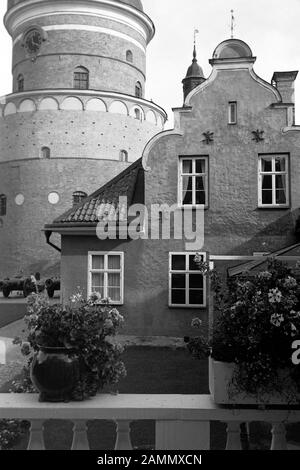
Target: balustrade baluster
(36,438)
(278,437)
(233,436)
(123,440)
(80,438)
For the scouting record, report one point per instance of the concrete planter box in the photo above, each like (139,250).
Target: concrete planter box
(220,377)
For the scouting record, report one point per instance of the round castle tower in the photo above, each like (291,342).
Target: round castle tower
(76,118)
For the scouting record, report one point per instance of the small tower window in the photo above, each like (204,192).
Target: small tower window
(232,112)
(137,113)
(3,201)
(46,152)
(78,197)
(81,78)
(123,156)
(129,56)
(138,90)
(20,82)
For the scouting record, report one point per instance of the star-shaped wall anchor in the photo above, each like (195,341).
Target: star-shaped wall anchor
(258,135)
(208,137)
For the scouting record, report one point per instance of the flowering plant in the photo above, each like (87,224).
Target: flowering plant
(257,318)
(87,327)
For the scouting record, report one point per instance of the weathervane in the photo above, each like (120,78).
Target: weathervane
(196,31)
(232,24)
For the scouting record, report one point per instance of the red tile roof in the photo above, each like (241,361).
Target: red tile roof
(105,200)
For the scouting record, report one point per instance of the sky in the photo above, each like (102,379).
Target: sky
(270,27)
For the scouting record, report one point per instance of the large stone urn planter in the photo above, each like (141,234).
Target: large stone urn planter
(55,372)
(223,391)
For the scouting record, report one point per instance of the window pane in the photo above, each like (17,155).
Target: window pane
(196,297)
(200,166)
(196,281)
(200,183)
(98,282)
(267,182)
(267,196)
(193,266)
(178,281)
(266,164)
(98,262)
(280,182)
(280,164)
(200,197)
(187,166)
(178,297)
(187,198)
(114,294)
(178,262)
(114,280)
(114,262)
(187,183)
(281,197)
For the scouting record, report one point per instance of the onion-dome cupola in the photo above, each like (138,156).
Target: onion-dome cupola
(194,75)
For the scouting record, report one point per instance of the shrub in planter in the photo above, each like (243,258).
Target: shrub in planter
(84,332)
(257,318)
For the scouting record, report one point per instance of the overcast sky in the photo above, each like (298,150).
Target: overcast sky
(270,27)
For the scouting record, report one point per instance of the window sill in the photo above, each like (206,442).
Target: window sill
(191,207)
(186,306)
(270,207)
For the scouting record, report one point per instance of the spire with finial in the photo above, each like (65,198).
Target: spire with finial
(194,76)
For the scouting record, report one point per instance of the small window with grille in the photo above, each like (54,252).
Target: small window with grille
(46,152)
(138,90)
(3,203)
(129,56)
(20,81)
(123,156)
(81,78)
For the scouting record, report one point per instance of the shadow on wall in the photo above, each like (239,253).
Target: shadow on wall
(275,236)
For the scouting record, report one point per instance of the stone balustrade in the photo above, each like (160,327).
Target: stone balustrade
(182,421)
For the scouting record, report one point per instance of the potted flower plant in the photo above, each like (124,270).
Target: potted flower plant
(70,348)
(249,345)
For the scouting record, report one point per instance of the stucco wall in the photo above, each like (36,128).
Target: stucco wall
(146,265)
(233,221)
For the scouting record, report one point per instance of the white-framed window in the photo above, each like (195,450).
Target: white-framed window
(187,286)
(106,275)
(232,112)
(273,180)
(193,181)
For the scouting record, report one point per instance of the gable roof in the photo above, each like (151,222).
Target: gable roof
(105,201)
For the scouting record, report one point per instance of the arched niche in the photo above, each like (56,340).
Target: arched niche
(9,109)
(27,106)
(118,107)
(72,104)
(95,104)
(48,104)
(151,117)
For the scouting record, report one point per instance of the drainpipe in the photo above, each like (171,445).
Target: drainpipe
(48,234)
